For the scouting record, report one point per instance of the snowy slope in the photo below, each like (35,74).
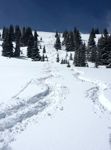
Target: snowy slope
(47,106)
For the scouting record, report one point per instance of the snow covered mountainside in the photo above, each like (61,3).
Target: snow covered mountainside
(47,106)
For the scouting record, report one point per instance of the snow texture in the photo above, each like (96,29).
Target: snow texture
(47,106)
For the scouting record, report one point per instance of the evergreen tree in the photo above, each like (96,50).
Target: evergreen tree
(57,59)
(4,32)
(62,61)
(57,34)
(77,39)
(46,58)
(92,34)
(97,31)
(80,56)
(28,34)
(40,47)
(17,40)
(23,33)
(35,52)
(77,58)
(44,50)
(17,49)
(35,36)
(83,55)
(93,54)
(11,32)
(7,45)
(109,51)
(57,44)
(97,58)
(91,50)
(78,48)
(65,34)
(105,33)
(30,46)
(70,42)
(104,49)
(17,33)
(68,65)
(71,56)
(43,58)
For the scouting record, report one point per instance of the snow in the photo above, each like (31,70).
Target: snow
(47,106)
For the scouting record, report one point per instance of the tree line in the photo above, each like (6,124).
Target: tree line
(21,37)
(98,52)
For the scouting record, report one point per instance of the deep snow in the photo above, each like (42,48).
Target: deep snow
(47,106)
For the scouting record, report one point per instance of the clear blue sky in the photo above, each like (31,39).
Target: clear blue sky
(51,15)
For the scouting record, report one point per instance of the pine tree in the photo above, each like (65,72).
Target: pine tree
(83,55)
(62,61)
(109,51)
(105,33)
(46,58)
(57,59)
(44,50)
(97,31)
(70,42)
(71,56)
(104,50)
(4,32)
(17,33)
(35,52)
(30,46)
(57,34)
(93,54)
(40,47)
(97,59)
(79,48)
(35,36)
(91,50)
(7,45)
(57,44)
(23,33)
(65,34)
(17,40)
(92,34)
(17,49)
(43,58)
(80,56)
(28,34)
(77,39)
(41,39)
(68,64)
(11,32)
(77,58)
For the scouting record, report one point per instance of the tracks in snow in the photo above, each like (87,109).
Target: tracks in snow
(96,93)
(19,112)
(13,117)
(21,104)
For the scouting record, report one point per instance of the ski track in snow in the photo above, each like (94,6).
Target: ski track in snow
(15,117)
(95,93)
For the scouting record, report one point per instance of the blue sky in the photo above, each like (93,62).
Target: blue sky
(49,15)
